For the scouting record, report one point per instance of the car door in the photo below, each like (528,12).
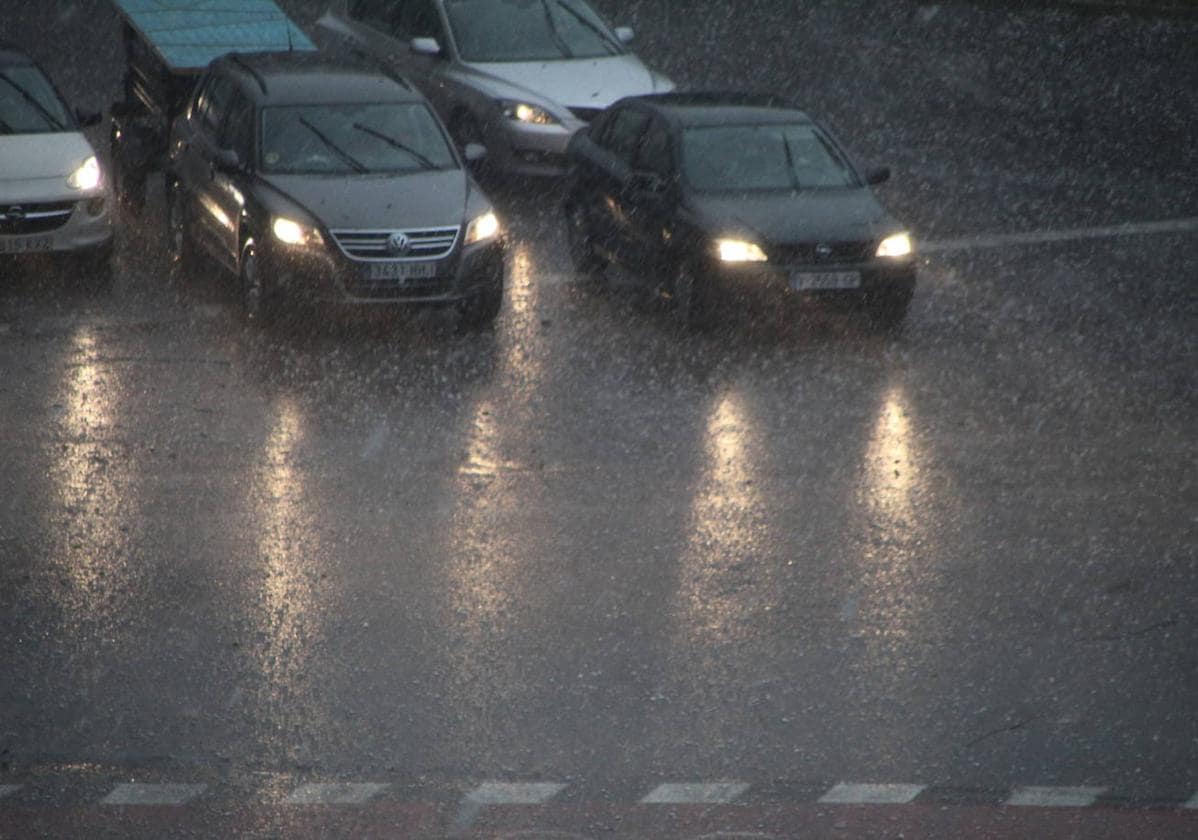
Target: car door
(649,196)
(227,190)
(195,162)
(611,209)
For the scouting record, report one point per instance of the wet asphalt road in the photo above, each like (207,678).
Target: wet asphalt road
(588,546)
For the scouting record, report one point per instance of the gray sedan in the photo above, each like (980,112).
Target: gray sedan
(518,76)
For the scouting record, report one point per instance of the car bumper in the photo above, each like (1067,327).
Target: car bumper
(323,276)
(76,226)
(874,280)
(532,151)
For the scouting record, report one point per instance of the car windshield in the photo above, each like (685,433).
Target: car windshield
(763,157)
(28,103)
(528,30)
(357,138)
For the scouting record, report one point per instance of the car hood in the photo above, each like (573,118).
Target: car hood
(27,157)
(780,218)
(574,83)
(367,202)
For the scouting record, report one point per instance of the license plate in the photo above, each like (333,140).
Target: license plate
(804,281)
(402,270)
(24,244)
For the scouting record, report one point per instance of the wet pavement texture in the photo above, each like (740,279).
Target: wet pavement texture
(588,546)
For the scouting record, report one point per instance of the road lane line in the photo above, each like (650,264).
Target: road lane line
(334,793)
(712,793)
(859,794)
(1037,237)
(145,795)
(1055,797)
(5,790)
(500,793)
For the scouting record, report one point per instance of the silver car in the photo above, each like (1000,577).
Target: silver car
(517,76)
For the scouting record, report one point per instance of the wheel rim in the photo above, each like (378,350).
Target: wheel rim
(251,285)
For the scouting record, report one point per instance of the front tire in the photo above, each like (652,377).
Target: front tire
(691,298)
(179,244)
(258,300)
(888,311)
(480,311)
(587,264)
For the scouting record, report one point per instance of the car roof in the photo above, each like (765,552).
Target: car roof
(715,108)
(307,78)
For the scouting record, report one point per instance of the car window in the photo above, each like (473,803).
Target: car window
(763,157)
(529,30)
(622,132)
(376,13)
(653,154)
(213,101)
(29,104)
(353,138)
(237,128)
(418,19)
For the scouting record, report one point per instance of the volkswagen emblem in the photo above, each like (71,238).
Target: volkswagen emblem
(823,251)
(15,214)
(398,243)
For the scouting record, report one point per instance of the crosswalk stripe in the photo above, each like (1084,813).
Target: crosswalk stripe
(695,793)
(871,794)
(1055,797)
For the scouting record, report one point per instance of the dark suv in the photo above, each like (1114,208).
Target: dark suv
(315,179)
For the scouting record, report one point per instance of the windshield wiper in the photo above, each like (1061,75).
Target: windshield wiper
(554,33)
(614,46)
(337,150)
(397,144)
(32,100)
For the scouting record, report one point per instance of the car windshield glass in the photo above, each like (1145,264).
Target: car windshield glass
(358,138)
(763,157)
(528,30)
(28,103)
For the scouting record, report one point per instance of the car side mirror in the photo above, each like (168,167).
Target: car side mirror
(227,160)
(625,34)
(87,119)
(877,176)
(475,152)
(426,46)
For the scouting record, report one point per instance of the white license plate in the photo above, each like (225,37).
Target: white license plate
(402,270)
(803,281)
(24,244)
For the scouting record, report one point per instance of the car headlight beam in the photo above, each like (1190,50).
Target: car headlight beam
(482,228)
(739,251)
(526,114)
(87,176)
(898,245)
(291,232)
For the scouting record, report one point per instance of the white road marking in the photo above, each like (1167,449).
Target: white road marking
(1055,797)
(846,793)
(5,790)
(713,793)
(514,793)
(1036,237)
(335,793)
(142,794)
(1192,804)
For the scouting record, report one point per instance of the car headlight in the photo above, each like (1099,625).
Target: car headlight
(898,245)
(482,228)
(738,250)
(522,112)
(290,232)
(87,176)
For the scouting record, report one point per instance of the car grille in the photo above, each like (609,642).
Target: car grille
(18,219)
(423,243)
(586,114)
(825,253)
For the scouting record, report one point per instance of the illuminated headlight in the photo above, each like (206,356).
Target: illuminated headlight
(738,250)
(293,233)
(86,177)
(898,245)
(522,112)
(482,228)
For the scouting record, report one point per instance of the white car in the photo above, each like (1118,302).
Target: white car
(54,198)
(519,77)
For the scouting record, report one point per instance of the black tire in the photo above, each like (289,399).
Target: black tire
(128,189)
(179,244)
(588,265)
(480,311)
(691,297)
(888,311)
(259,302)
